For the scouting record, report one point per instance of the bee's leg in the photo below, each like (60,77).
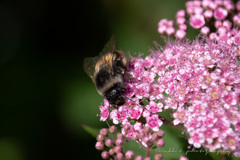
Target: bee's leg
(119,70)
(128,75)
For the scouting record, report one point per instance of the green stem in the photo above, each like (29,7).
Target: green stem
(148,151)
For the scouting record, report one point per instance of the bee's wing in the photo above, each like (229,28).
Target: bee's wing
(110,46)
(89,66)
(90,62)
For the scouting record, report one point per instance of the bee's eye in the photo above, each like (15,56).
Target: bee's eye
(119,62)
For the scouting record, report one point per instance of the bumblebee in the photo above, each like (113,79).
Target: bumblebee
(107,72)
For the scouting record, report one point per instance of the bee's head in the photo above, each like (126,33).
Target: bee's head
(114,96)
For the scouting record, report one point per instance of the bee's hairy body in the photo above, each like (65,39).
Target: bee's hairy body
(108,76)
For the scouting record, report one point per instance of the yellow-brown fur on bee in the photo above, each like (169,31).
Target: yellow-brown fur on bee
(108,73)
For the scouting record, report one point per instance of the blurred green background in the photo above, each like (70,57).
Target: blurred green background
(45,96)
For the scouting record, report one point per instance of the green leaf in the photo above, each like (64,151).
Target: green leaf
(92,131)
(173,147)
(171,150)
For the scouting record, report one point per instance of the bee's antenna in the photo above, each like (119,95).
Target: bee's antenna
(128,98)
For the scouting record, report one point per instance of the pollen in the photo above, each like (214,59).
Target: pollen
(181,115)
(214,94)
(198,108)
(192,83)
(208,79)
(181,90)
(231,142)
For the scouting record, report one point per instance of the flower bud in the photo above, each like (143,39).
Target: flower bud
(146,140)
(147,158)
(218,24)
(155,136)
(120,156)
(157,156)
(159,143)
(160,133)
(139,158)
(100,137)
(120,136)
(117,149)
(112,129)
(183,158)
(105,155)
(129,154)
(146,129)
(128,139)
(126,127)
(141,135)
(205,30)
(99,146)
(135,135)
(104,131)
(119,142)
(111,151)
(109,142)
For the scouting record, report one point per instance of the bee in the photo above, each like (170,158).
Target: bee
(107,72)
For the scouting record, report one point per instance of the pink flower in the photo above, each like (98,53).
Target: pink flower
(192,123)
(119,115)
(170,31)
(179,116)
(138,126)
(205,30)
(209,120)
(227,24)
(181,13)
(220,13)
(218,24)
(136,112)
(210,134)
(162,29)
(142,90)
(199,81)
(197,138)
(213,36)
(229,99)
(183,158)
(146,113)
(197,21)
(231,142)
(234,117)
(104,112)
(154,122)
(181,20)
(212,5)
(180,34)
(214,93)
(182,27)
(155,92)
(129,154)
(208,14)
(154,108)
(238,5)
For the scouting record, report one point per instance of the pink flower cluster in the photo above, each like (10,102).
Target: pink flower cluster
(112,147)
(224,14)
(167,26)
(198,81)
